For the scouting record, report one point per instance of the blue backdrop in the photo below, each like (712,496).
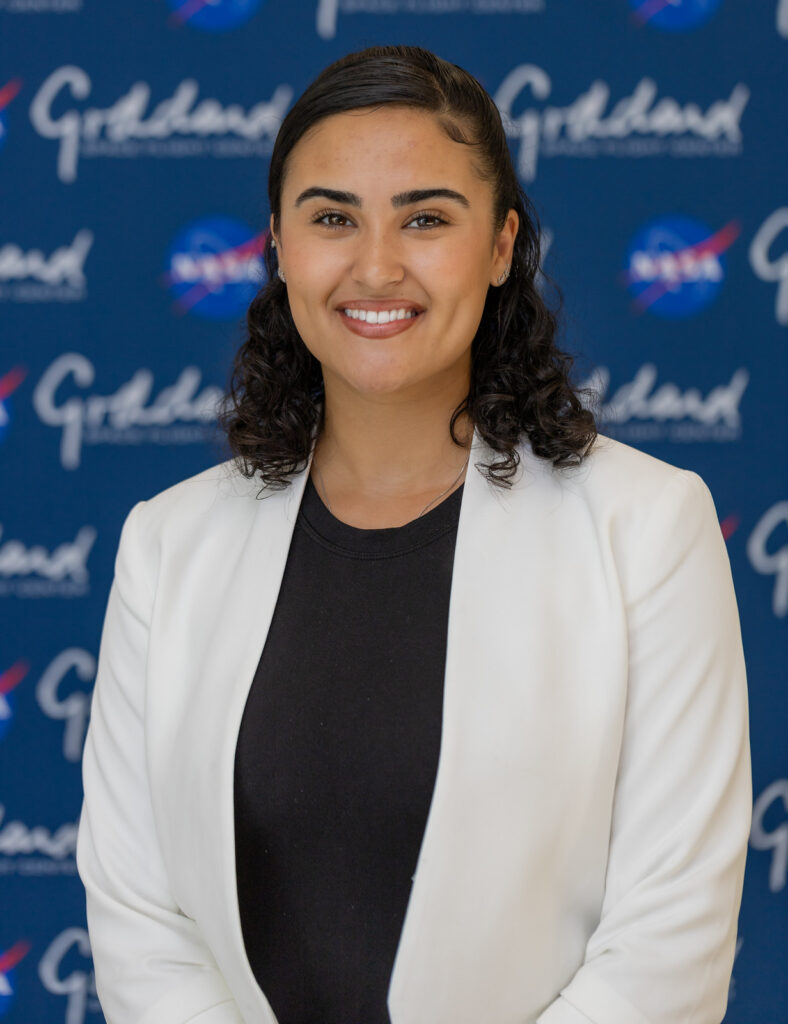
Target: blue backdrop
(134,144)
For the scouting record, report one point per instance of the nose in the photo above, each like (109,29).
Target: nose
(378,262)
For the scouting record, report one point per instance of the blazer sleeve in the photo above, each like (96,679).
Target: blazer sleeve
(663,950)
(151,963)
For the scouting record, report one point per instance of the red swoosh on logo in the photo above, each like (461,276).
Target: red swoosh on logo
(729,526)
(187,10)
(13,676)
(12,956)
(715,244)
(10,381)
(649,9)
(9,90)
(201,289)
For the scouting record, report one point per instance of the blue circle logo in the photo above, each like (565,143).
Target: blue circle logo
(9,382)
(676,266)
(212,15)
(674,15)
(7,707)
(8,961)
(215,268)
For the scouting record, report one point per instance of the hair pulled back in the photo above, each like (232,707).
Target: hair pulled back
(519,384)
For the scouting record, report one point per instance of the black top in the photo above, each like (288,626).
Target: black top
(336,759)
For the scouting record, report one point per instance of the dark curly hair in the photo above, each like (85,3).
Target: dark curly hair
(273,409)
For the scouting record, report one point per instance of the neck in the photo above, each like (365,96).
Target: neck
(381,459)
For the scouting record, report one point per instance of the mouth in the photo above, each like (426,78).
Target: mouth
(379,320)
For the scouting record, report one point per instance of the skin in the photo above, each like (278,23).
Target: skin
(385,450)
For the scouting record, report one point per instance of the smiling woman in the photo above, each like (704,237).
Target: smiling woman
(429,705)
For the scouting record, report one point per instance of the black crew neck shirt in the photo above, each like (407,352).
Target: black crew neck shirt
(336,759)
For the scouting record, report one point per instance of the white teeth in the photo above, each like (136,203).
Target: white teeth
(383,316)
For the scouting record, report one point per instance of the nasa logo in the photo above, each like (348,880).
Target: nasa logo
(8,961)
(215,16)
(9,382)
(214,268)
(9,680)
(675,266)
(673,15)
(7,93)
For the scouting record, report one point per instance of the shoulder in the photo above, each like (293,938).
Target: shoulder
(647,512)
(175,520)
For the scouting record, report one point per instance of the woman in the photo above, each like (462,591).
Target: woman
(430,703)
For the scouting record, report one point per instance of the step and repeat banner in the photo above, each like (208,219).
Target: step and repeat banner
(134,146)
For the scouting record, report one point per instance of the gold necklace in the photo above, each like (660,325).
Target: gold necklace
(454,481)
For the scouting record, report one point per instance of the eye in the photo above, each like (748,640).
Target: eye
(328,218)
(436,219)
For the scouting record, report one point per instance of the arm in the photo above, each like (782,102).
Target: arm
(152,965)
(663,950)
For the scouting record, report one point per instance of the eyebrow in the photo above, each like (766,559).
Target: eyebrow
(416,195)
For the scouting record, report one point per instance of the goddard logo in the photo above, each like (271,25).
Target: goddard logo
(9,382)
(36,571)
(72,708)
(66,969)
(176,127)
(33,277)
(676,266)
(638,125)
(214,268)
(7,93)
(181,413)
(768,558)
(37,850)
(328,10)
(212,16)
(673,15)
(769,263)
(643,410)
(9,680)
(9,958)
(765,836)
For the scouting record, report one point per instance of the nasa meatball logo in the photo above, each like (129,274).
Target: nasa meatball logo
(9,958)
(9,382)
(212,15)
(214,268)
(10,678)
(676,266)
(673,15)
(7,93)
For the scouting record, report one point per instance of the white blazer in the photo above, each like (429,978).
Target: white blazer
(584,852)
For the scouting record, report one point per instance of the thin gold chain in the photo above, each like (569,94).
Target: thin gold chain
(430,503)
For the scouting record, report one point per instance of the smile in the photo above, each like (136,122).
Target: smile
(378,323)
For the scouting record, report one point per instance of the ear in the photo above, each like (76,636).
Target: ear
(503,247)
(274,239)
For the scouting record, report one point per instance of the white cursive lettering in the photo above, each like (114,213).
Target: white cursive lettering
(65,265)
(775,563)
(125,119)
(17,838)
(584,118)
(127,407)
(68,560)
(772,269)
(77,986)
(777,839)
(73,709)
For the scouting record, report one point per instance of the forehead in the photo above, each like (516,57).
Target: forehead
(381,149)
